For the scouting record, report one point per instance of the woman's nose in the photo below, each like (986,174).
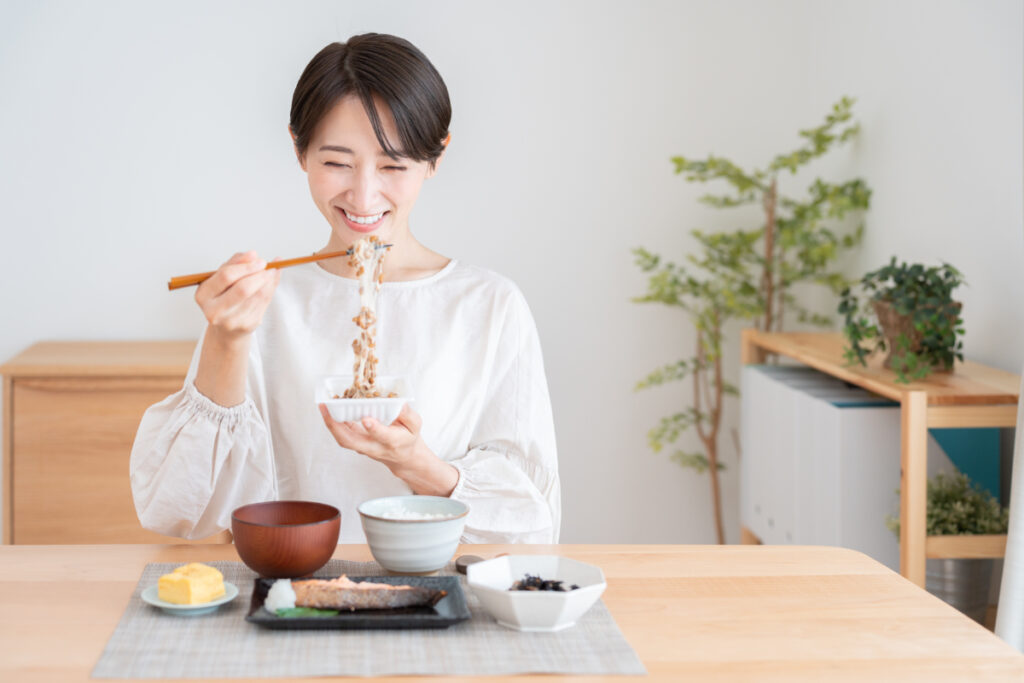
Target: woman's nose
(364,190)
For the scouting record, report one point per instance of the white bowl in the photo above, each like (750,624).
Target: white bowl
(405,545)
(384,410)
(543,611)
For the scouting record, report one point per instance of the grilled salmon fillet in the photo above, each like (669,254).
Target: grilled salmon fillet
(344,593)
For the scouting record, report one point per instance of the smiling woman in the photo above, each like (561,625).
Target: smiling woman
(369,121)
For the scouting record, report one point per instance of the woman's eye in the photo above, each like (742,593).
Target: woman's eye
(335,164)
(394,168)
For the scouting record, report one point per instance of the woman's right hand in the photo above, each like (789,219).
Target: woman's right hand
(236,296)
(233,300)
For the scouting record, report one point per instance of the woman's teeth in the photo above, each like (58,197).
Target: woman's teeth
(364,220)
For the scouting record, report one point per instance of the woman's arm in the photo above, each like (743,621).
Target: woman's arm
(233,300)
(194,460)
(206,449)
(509,476)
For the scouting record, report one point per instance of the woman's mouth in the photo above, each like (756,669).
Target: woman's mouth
(362,223)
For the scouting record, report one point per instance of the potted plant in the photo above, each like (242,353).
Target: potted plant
(749,274)
(917,320)
(957,507)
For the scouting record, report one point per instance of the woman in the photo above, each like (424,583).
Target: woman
(369,122)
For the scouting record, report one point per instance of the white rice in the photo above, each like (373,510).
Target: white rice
(408,515)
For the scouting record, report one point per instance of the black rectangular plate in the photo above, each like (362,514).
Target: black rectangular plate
(451,609)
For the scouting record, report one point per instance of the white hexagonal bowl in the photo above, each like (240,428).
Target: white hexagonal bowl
(541,611)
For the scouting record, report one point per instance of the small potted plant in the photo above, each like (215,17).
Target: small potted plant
(957,507)
(917,320)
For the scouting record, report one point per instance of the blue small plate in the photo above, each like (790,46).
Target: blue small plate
(151,596)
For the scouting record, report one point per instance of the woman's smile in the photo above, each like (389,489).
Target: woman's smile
(364,223)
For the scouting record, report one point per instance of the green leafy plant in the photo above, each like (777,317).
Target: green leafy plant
(747,274)
(909,310)
(956,507)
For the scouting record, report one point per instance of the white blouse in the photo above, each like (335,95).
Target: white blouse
(466,340)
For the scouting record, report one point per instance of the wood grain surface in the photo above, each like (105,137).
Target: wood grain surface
(72,439)
(764,613)
(968,384)
(104,358)
(70,413)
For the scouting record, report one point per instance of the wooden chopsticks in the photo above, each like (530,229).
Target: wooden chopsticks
(195,278)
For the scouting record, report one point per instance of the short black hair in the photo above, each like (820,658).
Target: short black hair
(376,65)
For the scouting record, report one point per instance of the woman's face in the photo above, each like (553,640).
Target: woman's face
(357,187)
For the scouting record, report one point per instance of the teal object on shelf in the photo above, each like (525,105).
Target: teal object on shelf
(975,452)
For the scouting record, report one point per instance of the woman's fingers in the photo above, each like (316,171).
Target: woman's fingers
(351,435)
(229,272)
(247,287)
(389,437)
(235,297)
(409,419)
(388,444)
(229,276)
(249,311)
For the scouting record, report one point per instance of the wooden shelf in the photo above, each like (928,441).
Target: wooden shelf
(972,395)
(969,384)
(967,546)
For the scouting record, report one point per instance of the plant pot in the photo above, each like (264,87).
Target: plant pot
(893,325)
(964,584)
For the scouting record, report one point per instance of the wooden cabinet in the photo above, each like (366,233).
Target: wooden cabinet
(70,413)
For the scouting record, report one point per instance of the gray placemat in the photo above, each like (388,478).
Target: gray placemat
(148,643)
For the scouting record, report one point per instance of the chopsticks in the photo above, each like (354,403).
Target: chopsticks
(180,281)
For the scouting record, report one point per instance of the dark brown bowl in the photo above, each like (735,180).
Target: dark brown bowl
(284,539)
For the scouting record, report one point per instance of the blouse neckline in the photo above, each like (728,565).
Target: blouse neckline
(403,284)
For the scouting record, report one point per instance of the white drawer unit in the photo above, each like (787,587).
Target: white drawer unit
(820,461)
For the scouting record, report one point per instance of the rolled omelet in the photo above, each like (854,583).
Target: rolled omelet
(191,584)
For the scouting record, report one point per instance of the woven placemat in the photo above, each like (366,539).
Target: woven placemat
(148,643)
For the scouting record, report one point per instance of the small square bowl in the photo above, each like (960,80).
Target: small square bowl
(540,611)
(413,534)
(384,410)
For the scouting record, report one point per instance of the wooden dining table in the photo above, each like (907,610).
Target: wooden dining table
(764,613)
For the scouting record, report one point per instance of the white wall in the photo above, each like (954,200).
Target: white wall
(144,140)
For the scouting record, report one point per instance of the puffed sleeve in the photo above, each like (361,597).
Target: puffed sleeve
(194,461)
(509,476)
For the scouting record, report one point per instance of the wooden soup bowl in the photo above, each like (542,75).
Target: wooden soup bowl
(284,539)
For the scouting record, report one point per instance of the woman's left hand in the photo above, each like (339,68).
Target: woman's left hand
(394,445)
(399,447)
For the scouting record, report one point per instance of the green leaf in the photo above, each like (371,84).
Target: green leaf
(696,461)
(819,140)
(306,612)
(672,372)
(670,427)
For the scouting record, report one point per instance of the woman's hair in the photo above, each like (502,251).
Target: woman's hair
(376,65)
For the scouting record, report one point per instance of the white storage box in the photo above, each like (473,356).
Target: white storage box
(820,461)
